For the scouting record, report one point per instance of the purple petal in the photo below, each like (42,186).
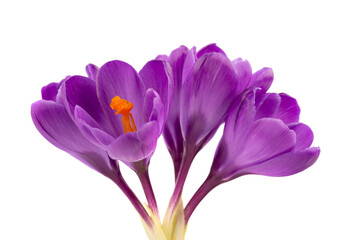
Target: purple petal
(153,108)
(240,118)
(158,76)
(267,105)
(91,129)
(237,125)
(189,63)
(55,124)
(210,49)
(263,79)
(135,146)
(50,91)
(92,71)
(244,72)
(81,91)
(172,131)
(289,110)
(266,139)
(118,78)
(304,135)
(162,57)
(207,95)
(287,164)
(176,61)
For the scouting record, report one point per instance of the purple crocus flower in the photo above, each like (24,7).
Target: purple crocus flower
(78,116)
(262,135)
(87,102)
(116,114)
(206,85)
(92,105)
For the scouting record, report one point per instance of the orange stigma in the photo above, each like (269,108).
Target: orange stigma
(124,107)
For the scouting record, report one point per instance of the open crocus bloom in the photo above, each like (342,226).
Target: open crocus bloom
(121,111)
(262,135)
(84,108)
(114,114)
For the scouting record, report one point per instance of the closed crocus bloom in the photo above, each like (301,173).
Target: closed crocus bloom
(206,85)
(262,135)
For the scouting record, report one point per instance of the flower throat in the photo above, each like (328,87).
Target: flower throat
(124,107)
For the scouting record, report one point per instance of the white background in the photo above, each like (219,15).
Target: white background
(47,194)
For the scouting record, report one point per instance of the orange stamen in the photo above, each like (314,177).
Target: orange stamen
(124,107)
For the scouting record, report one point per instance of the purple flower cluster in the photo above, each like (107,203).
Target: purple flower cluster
(116,114)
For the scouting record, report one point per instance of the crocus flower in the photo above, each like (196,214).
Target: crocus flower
(206,85)
(262,135)
(82,116)
(122,112)
(53,121)
(116,114)
(117,109)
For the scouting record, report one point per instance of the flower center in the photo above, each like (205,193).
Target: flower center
(124,107)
